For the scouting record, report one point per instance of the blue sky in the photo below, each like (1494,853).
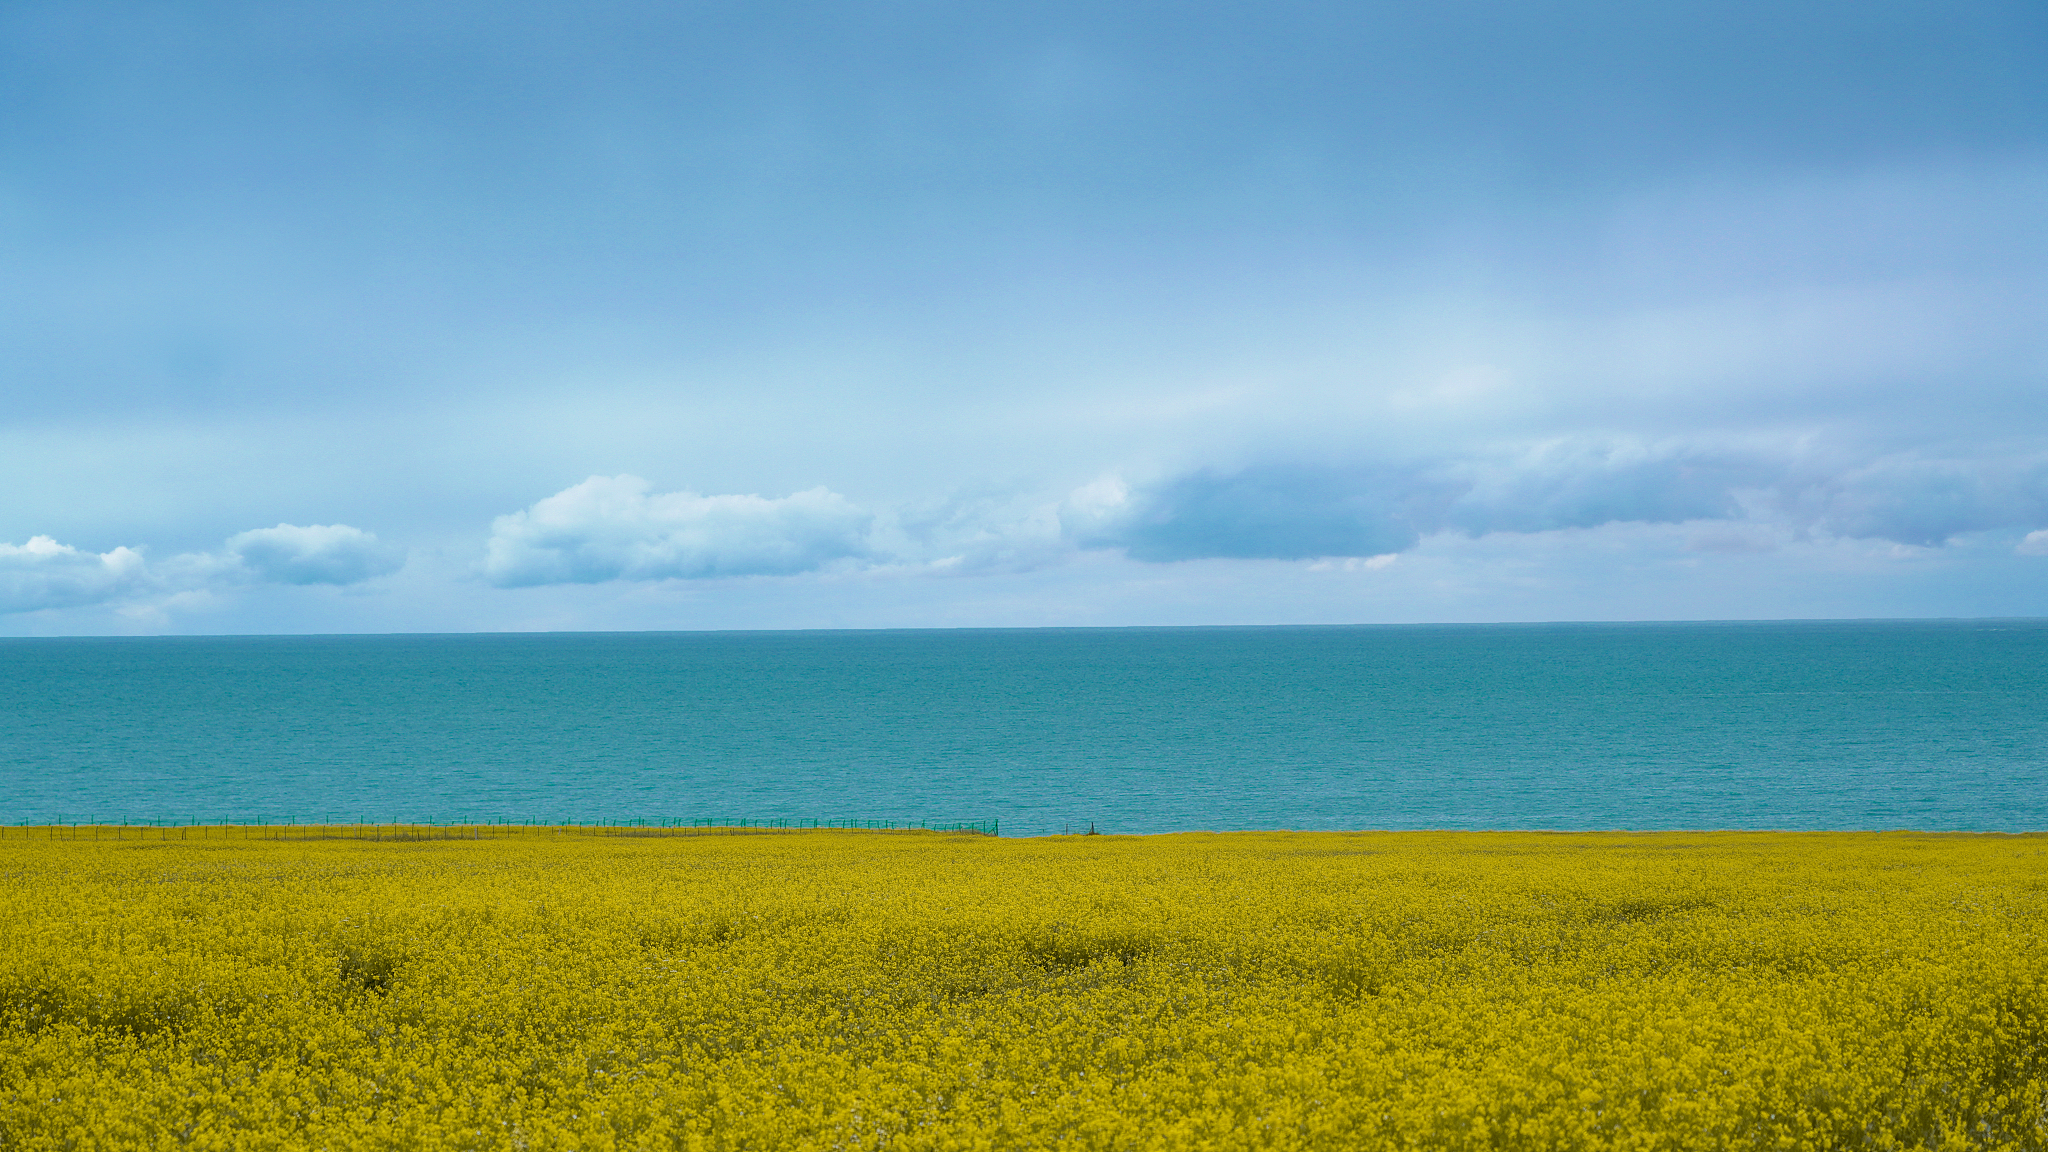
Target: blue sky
(447,317)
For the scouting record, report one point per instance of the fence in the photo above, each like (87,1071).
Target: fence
(294,828)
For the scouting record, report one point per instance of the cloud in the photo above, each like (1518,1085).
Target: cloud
(45,574)
(612,528)
(2035,544)
(1568,484)
(981,530)
(1924,500)
(1290,512)
(1298,512)
(315,554)
(1279,512)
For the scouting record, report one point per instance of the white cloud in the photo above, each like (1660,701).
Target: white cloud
(612,528)
(314,554)
(2035,544)
(978,531)
(45,574)
(1356,563)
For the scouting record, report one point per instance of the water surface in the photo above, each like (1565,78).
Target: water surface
(1920,724)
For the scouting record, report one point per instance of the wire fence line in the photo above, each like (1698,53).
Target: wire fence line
(93,827)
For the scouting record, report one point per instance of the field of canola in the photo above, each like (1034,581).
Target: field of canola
(924,991)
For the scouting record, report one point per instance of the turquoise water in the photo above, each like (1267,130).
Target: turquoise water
(1917,724)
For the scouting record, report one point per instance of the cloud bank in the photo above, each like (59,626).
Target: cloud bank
(44,574)
(1745,496)
(1734,496)
(613,528)
(1295,512)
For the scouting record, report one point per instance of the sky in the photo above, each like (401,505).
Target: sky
(446,316)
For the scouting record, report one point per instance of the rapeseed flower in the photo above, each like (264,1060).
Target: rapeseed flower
(843,990)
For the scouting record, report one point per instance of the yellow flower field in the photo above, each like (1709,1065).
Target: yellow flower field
(913,990)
